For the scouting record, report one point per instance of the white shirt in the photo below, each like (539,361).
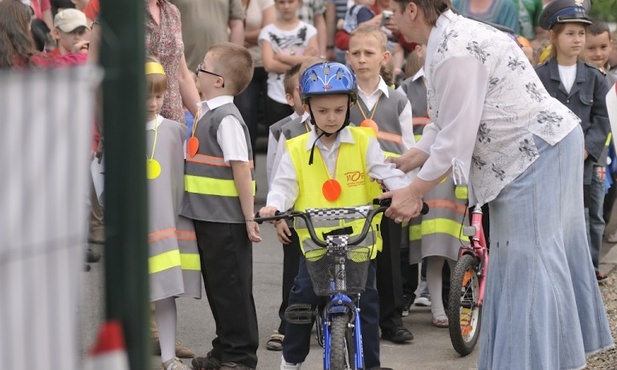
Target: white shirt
(230,134)
(405,118)
(284,188)
(567,74)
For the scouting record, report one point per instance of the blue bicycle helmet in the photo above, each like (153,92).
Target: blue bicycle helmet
(327,78)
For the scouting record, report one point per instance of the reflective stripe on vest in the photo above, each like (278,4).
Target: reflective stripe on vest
(171,259)
(210,186)
(357,189)
(435,222)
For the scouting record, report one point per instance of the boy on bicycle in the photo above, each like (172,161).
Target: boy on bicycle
(331,166)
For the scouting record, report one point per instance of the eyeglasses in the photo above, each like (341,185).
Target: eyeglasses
(200,69)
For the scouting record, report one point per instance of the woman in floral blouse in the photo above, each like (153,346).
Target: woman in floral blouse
(520,151)
(164,41)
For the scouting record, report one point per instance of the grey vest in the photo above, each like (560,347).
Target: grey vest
(204,204)
(293,128)
(386,117)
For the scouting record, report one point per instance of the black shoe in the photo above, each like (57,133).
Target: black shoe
(399,335)
(92,256)
(206,363)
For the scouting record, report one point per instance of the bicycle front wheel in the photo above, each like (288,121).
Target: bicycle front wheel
(343,349)
(464,312)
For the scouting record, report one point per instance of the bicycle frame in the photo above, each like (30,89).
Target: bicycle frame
(477,247)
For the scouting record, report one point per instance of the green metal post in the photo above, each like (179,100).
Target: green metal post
(126,249)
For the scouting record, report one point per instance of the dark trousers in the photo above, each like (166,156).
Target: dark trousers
(389,284)
(297,340)
(291,262)
(251,99)
(226,255)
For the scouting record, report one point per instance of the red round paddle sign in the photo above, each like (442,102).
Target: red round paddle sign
(331,190)
(192,146)
(370,123)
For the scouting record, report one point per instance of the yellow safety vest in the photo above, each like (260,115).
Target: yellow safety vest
(357,189)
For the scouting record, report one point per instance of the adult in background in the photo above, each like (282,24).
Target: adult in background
(164,41)
(259,13)
(206,22)
(501,12)
(520,151)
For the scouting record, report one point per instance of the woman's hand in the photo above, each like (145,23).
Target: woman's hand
(267,211)
(406,204)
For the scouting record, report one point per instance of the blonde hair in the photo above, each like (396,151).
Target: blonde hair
(156,80)
(234,63)
(371,30)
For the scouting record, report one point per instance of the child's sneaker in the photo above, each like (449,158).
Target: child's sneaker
(287,366)
(407,302)
(424,299)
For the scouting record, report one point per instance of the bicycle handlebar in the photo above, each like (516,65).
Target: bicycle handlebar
(336,214)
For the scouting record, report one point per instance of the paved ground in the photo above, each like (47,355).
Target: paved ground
(431,348)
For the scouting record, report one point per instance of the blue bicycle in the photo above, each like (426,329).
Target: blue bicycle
(338,272)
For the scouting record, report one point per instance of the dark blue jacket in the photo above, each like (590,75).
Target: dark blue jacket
(587,99)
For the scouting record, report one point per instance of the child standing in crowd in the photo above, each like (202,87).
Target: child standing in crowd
(288,237)
(284,43)
(174,260)
(219,195)
(326,153)
(388,113)
(436,236)
(70,31)
(582,88)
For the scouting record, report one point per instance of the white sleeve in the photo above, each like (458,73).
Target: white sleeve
(270,155)
(284,187)
(232,140)
(378,169)
(280,150)
(460,103)
(406,120)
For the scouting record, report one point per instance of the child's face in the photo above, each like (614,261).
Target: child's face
(66,40)
(597,49)
(209,80)
(294,99)
(287,9)
(366,56)
(329,111)
(571,41)
(154,102)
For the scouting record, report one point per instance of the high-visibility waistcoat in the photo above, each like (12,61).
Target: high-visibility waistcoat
(357,189)
(209,182)
(387,118)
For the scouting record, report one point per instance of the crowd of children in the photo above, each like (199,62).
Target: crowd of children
(325,119)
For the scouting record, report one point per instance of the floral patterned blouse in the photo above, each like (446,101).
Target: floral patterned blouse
(486,104)
(164,41)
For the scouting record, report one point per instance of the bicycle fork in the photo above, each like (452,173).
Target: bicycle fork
(342,305)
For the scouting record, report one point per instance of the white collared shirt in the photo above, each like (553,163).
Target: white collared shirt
(230,130)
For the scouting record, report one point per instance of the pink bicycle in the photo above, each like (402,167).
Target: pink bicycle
(467,287)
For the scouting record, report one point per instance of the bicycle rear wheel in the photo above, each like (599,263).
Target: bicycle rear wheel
(464,313)
(342,349)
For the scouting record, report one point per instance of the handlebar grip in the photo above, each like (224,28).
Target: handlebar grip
(261,220)
(388,201)
(425,208)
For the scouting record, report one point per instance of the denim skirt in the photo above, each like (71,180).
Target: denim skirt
(542,306)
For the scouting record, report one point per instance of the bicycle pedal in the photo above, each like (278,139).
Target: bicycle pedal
(299,314)
(469,230)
